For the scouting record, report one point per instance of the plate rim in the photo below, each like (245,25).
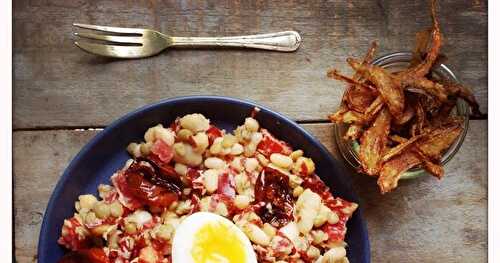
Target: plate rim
(42,241)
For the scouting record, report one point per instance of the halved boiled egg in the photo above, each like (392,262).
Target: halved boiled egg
(209,238)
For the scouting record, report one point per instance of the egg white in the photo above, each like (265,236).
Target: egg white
(185,233)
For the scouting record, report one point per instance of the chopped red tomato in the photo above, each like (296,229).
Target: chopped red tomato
(269,145)
(213,132)
(164,151)
(92,255)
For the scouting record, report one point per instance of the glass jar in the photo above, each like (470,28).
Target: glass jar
(396,62)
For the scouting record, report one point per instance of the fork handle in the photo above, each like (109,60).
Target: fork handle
(281,41)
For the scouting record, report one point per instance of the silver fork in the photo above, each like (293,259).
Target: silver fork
(119,42)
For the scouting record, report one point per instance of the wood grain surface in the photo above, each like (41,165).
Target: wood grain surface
(57,85)
(58,88)
(424,220)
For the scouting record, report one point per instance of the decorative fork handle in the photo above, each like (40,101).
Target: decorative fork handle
(281,41)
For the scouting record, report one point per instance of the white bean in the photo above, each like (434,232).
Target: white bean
(201,141)
(255,234)
(214,163)
(134,149)
(101,210)
(334,254)
(116,209)
(184,134)
(195,122)
(333,218)
(148,255)
(306,209)
(184,153)
(87,201)
(250,149)
(242,183)
(262,159)
(236,164)
(216,147)
(251,124)
(228,140)
(242,201)
(251,164)
(211,180)
(221,209)
(322,216)
(296,154)
(281,160)
(180,168)
(313,252)
(237,149)
(318,236)
(158,132)
(297,191)
(269,229)
(146,148)
(256,138)
(166,135)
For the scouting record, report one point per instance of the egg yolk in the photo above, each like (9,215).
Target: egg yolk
(216,243)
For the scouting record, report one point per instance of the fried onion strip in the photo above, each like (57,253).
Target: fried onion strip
(374,143)
(464,93)
(391,93)
(428,86)
(423,68)
(392,170)
(434,169)
(439,140)
(400,148)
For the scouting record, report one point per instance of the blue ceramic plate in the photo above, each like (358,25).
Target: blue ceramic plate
(106,153)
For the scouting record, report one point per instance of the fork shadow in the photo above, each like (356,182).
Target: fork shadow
(89,58)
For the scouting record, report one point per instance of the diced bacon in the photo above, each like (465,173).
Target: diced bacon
(226,185)
(164,152)
(336,232)
(269,145)
(195,202)
(111,196)
(70,238)
(125,197)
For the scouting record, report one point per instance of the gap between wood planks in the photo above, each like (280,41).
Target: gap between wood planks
(92,128)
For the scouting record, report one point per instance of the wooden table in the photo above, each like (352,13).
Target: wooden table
(62,94)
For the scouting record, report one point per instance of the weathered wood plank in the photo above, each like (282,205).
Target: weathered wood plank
(58,85)
(422,221)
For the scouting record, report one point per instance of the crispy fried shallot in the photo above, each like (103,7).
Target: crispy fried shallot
(404,119)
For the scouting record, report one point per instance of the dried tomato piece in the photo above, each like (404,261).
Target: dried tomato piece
(149,193)
(161,174)
(144,182)
(273,191)
(92,255)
